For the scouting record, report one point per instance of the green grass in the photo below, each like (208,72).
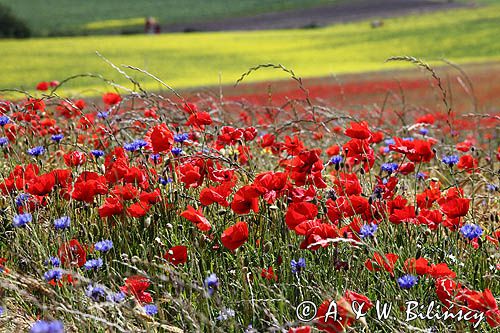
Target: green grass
(187,60)
(70,16)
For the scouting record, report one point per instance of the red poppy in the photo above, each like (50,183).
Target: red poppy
(111,206)
(72,253)
(358,131)
(137,285)
(235,236)
(418,266)
(138,209)
(196,216)
(218,194)
(247,199)
(386,262)
(347,184)
(159,138)
(467,163)
(74,158)
(453,206)
(299,212)
(320,235)
(199,120)
(111,98)
(42,86)
(177,255)
(269,274)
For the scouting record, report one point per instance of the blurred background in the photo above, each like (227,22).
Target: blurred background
(197,43)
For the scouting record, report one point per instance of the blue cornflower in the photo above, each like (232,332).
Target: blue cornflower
(420,176)
(491,187)
(104,245)
(450,160)
(471,231)
(54,261)
(211,283)
(2,310)
(389,167)
(57,137)
(164,181)
(62,223)
(96,293)
(180,138)
(21,199)
(176,151)
(423,131)
(42,326)
(407,281)
(225,314)
(155,157)
(53,275)
(116,297)
(97,153)
(103,115)
(36,151)
(337,159)
(135,145)
(150,309)
(389,142)
(94,264)
(409,138)
(368,230)
(4,120)
(21,220)
(298,266)
(4,141)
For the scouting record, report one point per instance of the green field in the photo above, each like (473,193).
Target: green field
(96,16)
(198,59)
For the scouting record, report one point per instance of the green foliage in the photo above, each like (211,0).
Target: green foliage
(12,26)
(65,17)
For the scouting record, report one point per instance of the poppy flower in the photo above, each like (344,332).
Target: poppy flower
(111,206)
(268,274)
(137,285)
(42,86)
(299,212)
(386,262)
(160,138)
(467,163)
(111,98)
(72,253)
(247,199)
(138,209)
(453,206)
(358,131)
(319,236)
(418,266)
(196,216)
(74,158)
(199,120)
(235,236)
(218,194)
(177,255)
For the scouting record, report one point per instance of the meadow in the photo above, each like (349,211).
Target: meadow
(142,213)
(119,16)
(200,59)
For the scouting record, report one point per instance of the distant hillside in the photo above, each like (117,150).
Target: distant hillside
(62,17)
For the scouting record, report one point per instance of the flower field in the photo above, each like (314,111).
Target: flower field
(289,212)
